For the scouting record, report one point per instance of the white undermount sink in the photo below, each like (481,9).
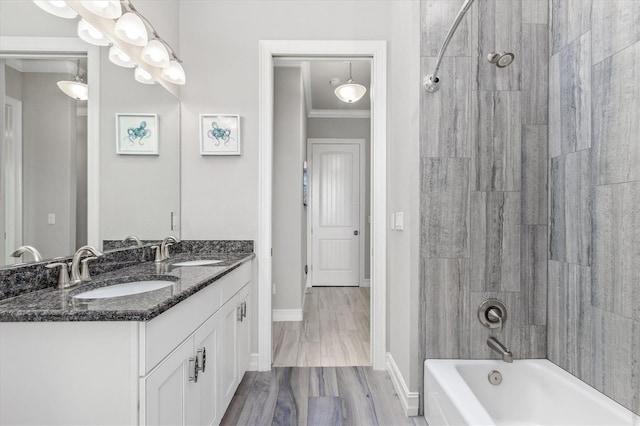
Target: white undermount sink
(202,262)
(125,289)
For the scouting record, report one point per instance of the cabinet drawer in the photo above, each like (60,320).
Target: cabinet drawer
(242,275)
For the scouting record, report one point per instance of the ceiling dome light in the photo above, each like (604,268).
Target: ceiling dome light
(76,88)
(57,8)
(91,34)
(143,77)
(109,9)
(131,29)
(156,54)
(174,73)
(118,57)
(351,91)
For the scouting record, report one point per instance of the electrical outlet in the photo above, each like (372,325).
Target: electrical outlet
(399,221)
(273,288)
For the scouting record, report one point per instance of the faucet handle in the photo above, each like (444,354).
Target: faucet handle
(85,275)
(158,253)
(63,275)
(495,316)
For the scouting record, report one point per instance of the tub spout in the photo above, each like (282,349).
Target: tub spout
(494,344)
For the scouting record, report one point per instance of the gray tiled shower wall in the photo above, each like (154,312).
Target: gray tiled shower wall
(594,155)
(518,187)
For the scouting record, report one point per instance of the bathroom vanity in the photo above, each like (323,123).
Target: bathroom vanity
(174,355)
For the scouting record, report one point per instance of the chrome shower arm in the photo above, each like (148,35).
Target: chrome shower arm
(432,82)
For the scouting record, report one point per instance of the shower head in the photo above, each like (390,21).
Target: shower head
(501,59)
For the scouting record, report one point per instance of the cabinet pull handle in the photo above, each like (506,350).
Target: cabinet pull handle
(201,358)
(239,313)
(193,370)
(244,309)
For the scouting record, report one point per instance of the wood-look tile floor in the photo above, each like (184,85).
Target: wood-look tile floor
(317,396)
(334,331)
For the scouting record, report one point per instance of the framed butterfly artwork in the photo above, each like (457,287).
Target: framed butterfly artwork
(137,134)
(219,134)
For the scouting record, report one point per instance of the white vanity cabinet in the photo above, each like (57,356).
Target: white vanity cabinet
(126,372)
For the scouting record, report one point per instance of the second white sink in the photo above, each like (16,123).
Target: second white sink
(126,289)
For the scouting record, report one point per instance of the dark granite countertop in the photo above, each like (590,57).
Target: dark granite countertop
(51,304)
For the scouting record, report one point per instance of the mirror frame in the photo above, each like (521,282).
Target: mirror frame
(37,45)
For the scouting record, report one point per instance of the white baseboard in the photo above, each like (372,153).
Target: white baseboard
(253,361)
(286,315)
(365,283)
(410,401)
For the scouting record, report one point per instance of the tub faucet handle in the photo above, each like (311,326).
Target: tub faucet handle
(495,316)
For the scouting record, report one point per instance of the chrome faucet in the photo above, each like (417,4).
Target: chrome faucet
(498,347)
(76,276)
(134,239)
(164,247)
(27,249)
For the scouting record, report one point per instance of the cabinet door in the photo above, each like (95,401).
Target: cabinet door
(228,355)
(168,389)
(207,403)
(243,333)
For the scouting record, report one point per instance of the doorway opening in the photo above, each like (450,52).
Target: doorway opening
(339,257)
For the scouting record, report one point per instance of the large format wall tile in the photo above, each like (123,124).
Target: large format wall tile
(437,16)
(616,25)
(616,125)
(614,345)
(496,126)
(496,26)
(616,240)
(535,12)
(444,118)
(534,175)
(495,241)
(577,208)
(569,20)
(535,73)
(555,121)
(575,95)
(445,207)
(533,275)
(447,312)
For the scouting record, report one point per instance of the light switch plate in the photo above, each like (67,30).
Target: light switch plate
(51,218)
(399,222)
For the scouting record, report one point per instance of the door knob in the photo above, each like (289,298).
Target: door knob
(355,232)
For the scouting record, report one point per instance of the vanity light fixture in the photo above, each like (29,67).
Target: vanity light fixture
(131,29)
(91,34)
(351,91)
(174,73)
(143,77)
(57,7)
(156,54)
(118,57)
(109,9)
(76,88)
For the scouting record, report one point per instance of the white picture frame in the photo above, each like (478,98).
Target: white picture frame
(136,134)
(220,134)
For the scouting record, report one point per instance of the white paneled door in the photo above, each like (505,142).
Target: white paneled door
(335,200)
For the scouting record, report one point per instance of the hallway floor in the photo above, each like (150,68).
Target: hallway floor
(334,331)
(317,396)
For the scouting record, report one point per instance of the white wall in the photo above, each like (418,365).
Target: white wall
(289,226)
(220,195)
(351,128)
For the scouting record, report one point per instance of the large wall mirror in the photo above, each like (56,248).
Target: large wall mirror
(62,182)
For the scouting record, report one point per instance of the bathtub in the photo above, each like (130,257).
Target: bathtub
(532,392)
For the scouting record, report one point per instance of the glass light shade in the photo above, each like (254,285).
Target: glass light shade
(74,89)
(130,28)
(91,34)
(350,92)
(118,57)
(156,54)
(57,8)
(109,9)
(143,77)
(174,73)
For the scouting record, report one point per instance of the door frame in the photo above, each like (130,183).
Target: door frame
(377,51)
(361,201)
(16,191)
